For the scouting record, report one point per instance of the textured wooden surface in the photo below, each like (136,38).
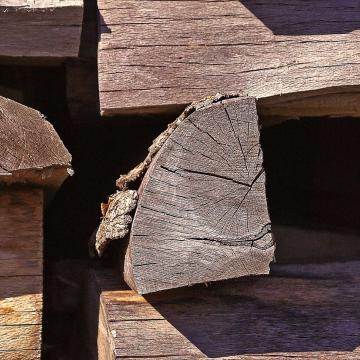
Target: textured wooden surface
(30,149)
(40,29)
(20,273)
(157,54)
(202,212)
(298,312)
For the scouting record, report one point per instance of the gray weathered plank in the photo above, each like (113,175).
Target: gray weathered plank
(20,272)
(154,55)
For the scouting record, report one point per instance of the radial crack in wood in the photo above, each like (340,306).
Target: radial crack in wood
(202,212)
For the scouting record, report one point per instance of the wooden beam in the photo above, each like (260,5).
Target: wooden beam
(202,213)
(21,272)
(299,312)
(42,29)
(155,56)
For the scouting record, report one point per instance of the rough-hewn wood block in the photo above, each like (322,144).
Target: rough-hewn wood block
(40,29)
(298,312)
(154,55)
(202,213)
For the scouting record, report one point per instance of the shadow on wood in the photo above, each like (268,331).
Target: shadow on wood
(294,17)
(300,311)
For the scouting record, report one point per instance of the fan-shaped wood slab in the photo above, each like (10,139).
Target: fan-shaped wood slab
(202,212)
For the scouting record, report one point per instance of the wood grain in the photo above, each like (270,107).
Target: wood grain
(20,272)
(202,213)
(40,29)
(157,55)
(298,312)
(30,150)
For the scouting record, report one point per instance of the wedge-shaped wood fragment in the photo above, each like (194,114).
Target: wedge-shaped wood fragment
(31,151)
(202,213)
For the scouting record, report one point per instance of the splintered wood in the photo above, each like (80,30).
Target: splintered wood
(33,29)
(202,212)
(300,312)
(157,55)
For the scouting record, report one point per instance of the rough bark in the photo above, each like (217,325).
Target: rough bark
(299,312)
(202,212)
(158,55)
(40,29)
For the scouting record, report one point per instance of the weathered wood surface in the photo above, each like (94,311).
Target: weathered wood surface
(30,150)
(20,273)
(157,55)
(202,213)
(40,29)
(298,312)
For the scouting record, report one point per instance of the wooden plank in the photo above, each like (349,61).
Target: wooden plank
(20,272)
(202,211)
(300,312)
(158,55)
(40,29)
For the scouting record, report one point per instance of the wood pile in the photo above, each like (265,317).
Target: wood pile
(30,173)
(185,246)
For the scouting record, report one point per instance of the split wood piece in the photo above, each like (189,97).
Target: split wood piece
(33,162)
(31,152)
(299,312)
(202,213)
(36,29)
(157,56)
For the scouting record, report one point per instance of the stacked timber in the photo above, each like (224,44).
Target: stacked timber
(298,59)
(33,164)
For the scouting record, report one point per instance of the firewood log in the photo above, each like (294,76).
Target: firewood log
(201,210)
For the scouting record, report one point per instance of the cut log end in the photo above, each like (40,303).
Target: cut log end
(202,212)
